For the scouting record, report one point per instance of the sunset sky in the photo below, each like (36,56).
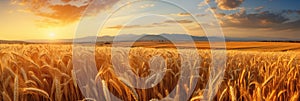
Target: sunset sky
(58,19)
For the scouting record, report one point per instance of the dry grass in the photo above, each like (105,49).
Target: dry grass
(45,72)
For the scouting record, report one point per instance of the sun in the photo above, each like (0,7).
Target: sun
(52,35)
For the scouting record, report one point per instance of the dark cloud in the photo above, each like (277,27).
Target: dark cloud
(294,25)
(262,20)
(228,4)
(64,11)
(258,20)
(290,11)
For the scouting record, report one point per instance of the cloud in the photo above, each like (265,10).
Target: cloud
(211,9)
(228,4)
(115,27)
(220,15)
(291,11)
(262,20)
(207,1)
(64,11)
(184,14)
(200,15)
(258,20)
(294,25)
(259,8)
(214,10)
(178,21)
(204,3)
(147,5)
(160,24)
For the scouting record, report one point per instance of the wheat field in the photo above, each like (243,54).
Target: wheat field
(45,72)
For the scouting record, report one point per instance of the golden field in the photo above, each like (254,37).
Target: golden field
(244,46)
(45,72)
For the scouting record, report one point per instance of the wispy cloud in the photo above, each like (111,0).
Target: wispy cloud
(179,21)
(160,24)
(183,14)
(147,5)
(204,3)
(259,8)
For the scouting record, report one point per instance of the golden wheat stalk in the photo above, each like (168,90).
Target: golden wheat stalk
(105,91)
(5,97)
(35,91)
(16,88)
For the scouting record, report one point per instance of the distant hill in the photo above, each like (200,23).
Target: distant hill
(11,42)
(161,37)
(175,37)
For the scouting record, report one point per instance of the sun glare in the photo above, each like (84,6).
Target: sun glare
(51,35)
